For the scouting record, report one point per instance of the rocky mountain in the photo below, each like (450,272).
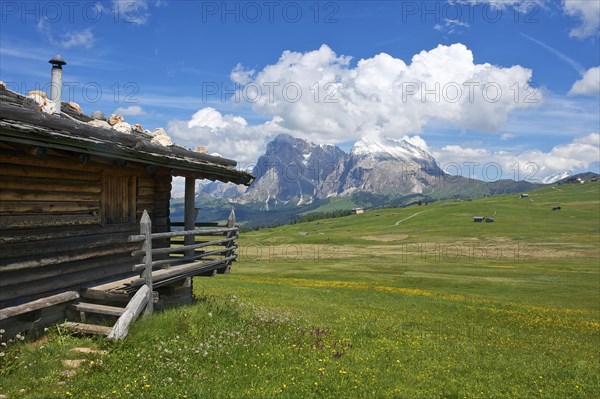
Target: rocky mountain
(579,178)
(296,172)
(390,166)
(556,177)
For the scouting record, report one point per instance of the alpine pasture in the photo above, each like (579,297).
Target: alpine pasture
(417,302)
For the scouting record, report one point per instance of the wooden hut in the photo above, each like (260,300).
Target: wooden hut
(72,197)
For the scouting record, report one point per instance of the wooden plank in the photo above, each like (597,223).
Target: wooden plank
(230,245)
(118,199)
(11,207)
(180,271)
(11,222)
(98,295)
(54,271)
(41,233)
(40,195)
(145,191)
(98,309)
(33,262)
(146,182)
(48,162)
(186,259)
(81,328)
(65,282)
(43,172)
(198,232)
(146,230)
(189,212)
(132,311)
(185,248)
(38,304)
(71,244)
(35,183)
(43,317)
(145,198)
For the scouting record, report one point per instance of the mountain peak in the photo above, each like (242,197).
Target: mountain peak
(389,148)
(556,177)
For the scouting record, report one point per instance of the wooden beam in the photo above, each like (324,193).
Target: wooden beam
(146,230)
(7,265)
(141,266)
(197,232)
(38,304)
(82,328)
(186,248)
(98,295)
(132,312)
(85,307)
(179,272)
(189,211)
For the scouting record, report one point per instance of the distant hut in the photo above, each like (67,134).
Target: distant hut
(358,211)
(71,196)
(523,195)
(478,219)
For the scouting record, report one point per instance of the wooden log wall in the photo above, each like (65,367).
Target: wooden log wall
(52,235)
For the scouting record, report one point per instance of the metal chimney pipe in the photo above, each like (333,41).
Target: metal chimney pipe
(56,81)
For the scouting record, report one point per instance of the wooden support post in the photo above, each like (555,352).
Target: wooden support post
(146,230)
(132,311)
(38,304)
(189,212)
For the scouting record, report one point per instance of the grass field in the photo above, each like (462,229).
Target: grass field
(418,302)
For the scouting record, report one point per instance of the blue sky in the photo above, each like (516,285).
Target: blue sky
(331,72)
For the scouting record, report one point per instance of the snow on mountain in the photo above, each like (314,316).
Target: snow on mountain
(556,177)
(400,149)
(389,165)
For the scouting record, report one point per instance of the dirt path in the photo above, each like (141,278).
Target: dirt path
(411,216)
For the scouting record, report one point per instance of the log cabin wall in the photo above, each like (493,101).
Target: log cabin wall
(65,219)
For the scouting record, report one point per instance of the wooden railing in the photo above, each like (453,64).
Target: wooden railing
(183,259)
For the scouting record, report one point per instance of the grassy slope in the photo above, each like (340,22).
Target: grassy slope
(435,306)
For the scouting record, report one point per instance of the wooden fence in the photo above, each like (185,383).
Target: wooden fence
(192,252)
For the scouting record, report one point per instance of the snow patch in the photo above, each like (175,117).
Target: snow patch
(556,177)
(399,149)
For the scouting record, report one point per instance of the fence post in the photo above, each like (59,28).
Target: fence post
(146,230)
(230,223)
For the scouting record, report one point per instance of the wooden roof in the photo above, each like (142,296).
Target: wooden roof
(22,122)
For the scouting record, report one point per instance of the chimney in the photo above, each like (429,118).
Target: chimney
(56,82)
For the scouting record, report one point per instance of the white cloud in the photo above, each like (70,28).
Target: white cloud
(318,95)
(132,110)
(588,12)
(589,85)
(417,141)
(213,120)
(82,38)
(241,75)
(591,140)
(229,135)
(532,165)
(507,136)
(450,26)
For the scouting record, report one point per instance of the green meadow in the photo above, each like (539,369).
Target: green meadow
(416,302)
